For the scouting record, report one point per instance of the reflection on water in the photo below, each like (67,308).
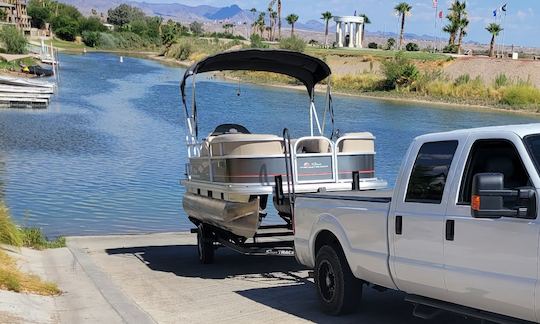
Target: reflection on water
(108,154)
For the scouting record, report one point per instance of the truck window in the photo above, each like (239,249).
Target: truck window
(498,156)
(428,177)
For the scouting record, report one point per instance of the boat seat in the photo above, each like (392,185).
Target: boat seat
(246,145)
(315,145)
(357,143)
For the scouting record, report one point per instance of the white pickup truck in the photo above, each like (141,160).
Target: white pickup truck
(460,232)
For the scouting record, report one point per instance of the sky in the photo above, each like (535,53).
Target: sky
(521,24)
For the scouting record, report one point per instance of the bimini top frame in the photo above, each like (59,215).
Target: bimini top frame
(307,69)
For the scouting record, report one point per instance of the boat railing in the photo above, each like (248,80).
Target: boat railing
(312,160)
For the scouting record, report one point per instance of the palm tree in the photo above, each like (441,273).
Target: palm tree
(494,29)
(260,23)
(326,16)
(366,22)
(279,18)
(273,18)
(402,9)
(452,29)
(271,21)
(292,19)
(463,24)
(253,13)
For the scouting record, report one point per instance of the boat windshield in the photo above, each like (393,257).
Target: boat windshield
(533,145)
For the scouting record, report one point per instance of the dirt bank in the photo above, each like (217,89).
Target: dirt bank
(488,69)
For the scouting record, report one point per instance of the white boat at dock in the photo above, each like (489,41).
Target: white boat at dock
(25,93)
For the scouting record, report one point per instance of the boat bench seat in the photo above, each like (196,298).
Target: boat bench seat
(357,143)
(246,145)
(313,145)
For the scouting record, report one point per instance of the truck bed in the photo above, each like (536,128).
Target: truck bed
(383,195)
(358,220)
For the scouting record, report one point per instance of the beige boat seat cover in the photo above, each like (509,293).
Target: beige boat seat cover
(357,143)
(313,145)
(246,145)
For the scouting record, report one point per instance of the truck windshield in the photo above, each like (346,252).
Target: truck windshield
(533,145)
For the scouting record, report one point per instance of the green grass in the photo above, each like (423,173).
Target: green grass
(11,278)
(10,234)
(34,238)
(15,65)
(422,56)
(65,45)
(521,95)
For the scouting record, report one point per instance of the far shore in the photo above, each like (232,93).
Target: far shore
(389,97)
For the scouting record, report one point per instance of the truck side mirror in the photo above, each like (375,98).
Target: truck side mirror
(488,198)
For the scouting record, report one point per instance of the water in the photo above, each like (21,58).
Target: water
(108,154)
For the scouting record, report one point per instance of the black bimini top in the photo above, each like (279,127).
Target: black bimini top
(307,69)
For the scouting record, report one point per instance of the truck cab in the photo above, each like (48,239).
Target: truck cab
(460,228)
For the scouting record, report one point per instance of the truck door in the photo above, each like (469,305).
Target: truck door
(417,220)
(491,264)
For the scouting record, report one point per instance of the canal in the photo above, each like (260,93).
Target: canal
(107,155)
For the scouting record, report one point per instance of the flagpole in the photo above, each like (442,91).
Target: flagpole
(436,6)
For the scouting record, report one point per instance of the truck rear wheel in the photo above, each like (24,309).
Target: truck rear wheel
(205,244)
(338,290)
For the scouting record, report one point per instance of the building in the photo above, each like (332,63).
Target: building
(16,14)
(349,31)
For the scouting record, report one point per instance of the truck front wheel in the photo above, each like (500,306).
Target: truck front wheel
(338,290)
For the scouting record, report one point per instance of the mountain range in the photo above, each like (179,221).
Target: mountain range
(184,13)
(210,14)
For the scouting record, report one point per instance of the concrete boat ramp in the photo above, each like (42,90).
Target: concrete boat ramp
(156,278)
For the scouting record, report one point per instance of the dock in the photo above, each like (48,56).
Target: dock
(25,93)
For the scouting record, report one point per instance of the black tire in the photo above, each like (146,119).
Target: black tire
(205,245)
(339,292)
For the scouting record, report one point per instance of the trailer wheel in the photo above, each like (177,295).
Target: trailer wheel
(205,245)
(338,290)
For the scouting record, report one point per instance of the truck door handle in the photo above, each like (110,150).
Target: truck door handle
(450,225)
(399,225)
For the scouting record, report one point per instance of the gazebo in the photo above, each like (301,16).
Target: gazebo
(349,31)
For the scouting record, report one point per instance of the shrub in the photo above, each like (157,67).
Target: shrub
(399,71)
(501,81)
(107,41)
(92,24)
(91,38)
(462,79)
(181,50)
(412,47)
(360,82)
(34,238)
(9,232)
(196,28)
(521,95)
(450,49)
(40,15)
(257,41)
(14,41)
(65,27)
(293,44)
(390,43)
(373,45)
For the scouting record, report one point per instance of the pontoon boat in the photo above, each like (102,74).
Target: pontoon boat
(232,172)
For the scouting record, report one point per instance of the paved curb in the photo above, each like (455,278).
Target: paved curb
(127,309)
